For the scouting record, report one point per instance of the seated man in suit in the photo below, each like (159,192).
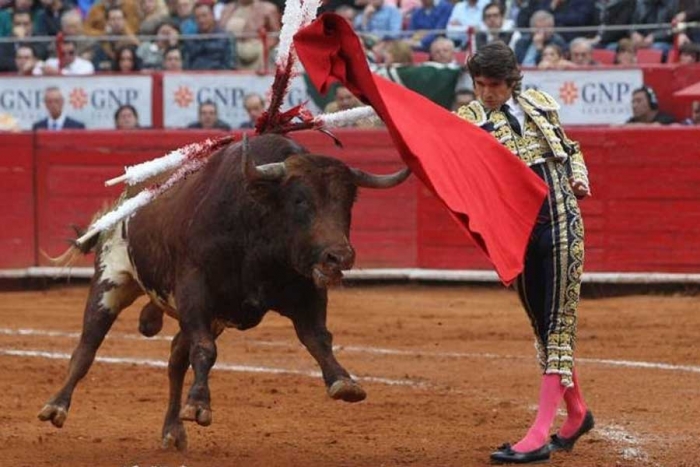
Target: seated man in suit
(209,118)
(57,119)
(254,105)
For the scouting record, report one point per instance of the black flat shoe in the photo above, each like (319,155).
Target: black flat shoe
(506,455)
(559,443)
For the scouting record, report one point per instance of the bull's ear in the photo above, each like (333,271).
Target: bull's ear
(253,173)
(369,180)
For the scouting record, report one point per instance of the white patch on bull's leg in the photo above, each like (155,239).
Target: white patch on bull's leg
(347,390)
(115,269)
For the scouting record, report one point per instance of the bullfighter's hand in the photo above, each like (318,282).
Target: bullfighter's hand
(579,188)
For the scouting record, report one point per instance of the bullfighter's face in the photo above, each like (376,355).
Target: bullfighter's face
(492,93)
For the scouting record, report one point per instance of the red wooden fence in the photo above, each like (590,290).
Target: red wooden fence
(644,215)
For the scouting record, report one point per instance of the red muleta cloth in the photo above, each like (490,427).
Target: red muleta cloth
(492,195)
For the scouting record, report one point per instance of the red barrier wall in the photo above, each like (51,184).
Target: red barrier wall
(644,215)
(17,226)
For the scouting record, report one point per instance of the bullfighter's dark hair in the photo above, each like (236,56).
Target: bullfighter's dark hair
(496,61)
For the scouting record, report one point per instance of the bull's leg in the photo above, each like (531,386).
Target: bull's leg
(174,434)
(105,300)
(196,324)
(310,326)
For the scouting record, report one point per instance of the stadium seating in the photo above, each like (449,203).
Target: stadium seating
(649,56)
(604,56)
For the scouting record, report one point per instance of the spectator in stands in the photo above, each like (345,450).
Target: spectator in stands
(694,114)
(25,61)
(345,100)
(126,60)
(653,12)
(209,118)
(48,19)
(528,50)
(497,28)
(151,53)
(689,53)
(21,29)
(626,54)
(398,52)
(245,19)
(442,50)
(57,119)
(105,52)
(688,11)
(573,13)
(126,118)
(465,14)
(612,13)
(553,59)
(184,17)
(645,108)
(254,104)
(380,19)
(70,63)
(463,96)
(72,28)
(152,13)
(172,59)
(208,54)
(97,22)
(6,15)
(581,52)
(347,12)
(429,17)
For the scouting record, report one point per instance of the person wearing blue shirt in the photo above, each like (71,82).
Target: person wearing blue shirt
(382,20)
(429,17)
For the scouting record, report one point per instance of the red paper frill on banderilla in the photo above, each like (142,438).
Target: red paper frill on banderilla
(492,195)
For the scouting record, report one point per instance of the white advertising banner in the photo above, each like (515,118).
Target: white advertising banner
(183,92)
(91,100)
(588,97)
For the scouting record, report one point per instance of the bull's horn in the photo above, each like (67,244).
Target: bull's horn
(368,180)
(273,171)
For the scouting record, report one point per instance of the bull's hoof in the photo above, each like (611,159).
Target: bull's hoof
(196,413)
(175,439)
(56,413)
(347,390)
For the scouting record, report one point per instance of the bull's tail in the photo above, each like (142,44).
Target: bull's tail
(76,250)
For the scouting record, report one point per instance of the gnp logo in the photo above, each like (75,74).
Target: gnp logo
(183,96)
(568,92)
(78,98)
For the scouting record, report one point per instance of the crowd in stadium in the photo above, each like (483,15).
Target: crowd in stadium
(84,37)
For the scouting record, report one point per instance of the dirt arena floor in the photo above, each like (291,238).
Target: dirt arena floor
(450,374)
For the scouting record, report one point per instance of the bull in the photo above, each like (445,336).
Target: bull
(263,226)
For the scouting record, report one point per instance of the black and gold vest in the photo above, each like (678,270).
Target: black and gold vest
(542,136)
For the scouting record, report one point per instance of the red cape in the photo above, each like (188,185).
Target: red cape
(493,196)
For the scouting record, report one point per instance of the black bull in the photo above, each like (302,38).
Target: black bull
(220,249)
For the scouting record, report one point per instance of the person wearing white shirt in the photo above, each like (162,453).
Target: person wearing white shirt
(72,64)
(465,14)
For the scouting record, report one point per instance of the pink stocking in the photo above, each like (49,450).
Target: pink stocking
(551,393)
(575,409)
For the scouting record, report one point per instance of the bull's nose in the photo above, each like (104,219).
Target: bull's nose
(339,257)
